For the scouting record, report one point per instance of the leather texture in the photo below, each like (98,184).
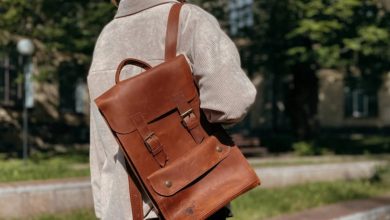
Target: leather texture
(135,198)
(188,167)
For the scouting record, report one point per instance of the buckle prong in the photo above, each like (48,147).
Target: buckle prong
(186,113)
(149,136)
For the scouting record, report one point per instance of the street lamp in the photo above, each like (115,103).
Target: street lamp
(26,48)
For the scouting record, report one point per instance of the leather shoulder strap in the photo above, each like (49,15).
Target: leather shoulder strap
(172,31)
(170,52)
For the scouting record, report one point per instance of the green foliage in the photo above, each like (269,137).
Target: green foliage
(315,160)
(79,215)
(329,33)
(288,36)
(339,34)
(38,169)
(304,148)
(382,174)
(62,30)
(326,33)
(264,203)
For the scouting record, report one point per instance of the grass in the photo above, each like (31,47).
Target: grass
(41,169)
(355,144)
(264,203)
(311,160)
(340,143)
(77,215)
(71,166)
(38,168)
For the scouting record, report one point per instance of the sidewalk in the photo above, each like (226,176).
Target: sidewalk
(281,176)
(29,198)
(366,209)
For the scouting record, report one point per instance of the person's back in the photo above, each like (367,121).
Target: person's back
(138,31)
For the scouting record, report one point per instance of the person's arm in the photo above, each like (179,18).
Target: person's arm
(226,93)
(96,157)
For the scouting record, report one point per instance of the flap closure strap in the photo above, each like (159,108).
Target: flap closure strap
(189,119)
(151,140)
(181,172)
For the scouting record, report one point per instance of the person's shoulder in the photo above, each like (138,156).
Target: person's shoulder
(103,40)
(107,28)
(197,14)
(106,34)
(195,9)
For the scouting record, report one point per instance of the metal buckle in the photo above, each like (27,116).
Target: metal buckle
(149,136)
(186,113)
(146,142)
(151,150)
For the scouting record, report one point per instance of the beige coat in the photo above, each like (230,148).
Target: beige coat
(226,93)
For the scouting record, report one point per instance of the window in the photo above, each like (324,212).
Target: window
(240,15)
(11,90)
(81,97)
(361,100)
(72,88)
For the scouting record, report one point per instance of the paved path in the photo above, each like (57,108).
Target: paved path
(288,175)
(366,209)
(26,199)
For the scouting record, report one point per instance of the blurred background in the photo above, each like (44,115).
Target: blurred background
(318,134)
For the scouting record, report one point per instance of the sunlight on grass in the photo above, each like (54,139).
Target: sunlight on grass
(16,170)
(77,215)
(264,203)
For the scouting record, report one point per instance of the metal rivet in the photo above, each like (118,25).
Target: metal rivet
(219,149)
(168,183)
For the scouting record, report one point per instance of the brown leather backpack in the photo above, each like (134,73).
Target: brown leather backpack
(188,167)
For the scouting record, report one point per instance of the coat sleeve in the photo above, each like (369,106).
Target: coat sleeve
(226,93)
(97,157)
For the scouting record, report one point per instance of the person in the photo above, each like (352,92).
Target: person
(138,31)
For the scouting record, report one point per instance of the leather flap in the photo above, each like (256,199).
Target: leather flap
(151,93)
(183,171)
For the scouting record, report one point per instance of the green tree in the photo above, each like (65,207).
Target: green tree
(341,34)
(64,33)
(295,37)
(349,35)
(299,37)
(62,30)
